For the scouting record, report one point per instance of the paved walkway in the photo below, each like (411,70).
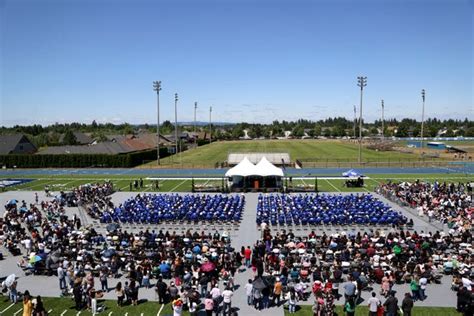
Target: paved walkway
(244,235)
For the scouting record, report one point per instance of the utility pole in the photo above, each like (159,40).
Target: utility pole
(210,124)
(195,136)
(361,82)
(422,116)
(157,88)
(383,107)
(176,122)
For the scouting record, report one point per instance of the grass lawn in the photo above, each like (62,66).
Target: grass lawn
(305,310)
(65,307)
(308,149)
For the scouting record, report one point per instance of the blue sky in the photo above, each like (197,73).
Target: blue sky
(253,61)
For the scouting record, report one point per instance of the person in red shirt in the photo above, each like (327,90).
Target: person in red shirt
(248,255)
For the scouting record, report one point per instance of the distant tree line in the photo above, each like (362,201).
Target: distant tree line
(330,127)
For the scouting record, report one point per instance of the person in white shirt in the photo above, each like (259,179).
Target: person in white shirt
(227,300)
(422,283)
(374,304)
(248,292)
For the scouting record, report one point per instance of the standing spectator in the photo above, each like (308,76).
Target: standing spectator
(248,256)
(131,188)
(173,290)
(349,289)
(62,278)
(141,183)
(227,300)
(463,299)
(430,215)
(374,304)
(209,305)
(193,308)
(422,288)
(391,305)
(266,297)
(203,281)
(27,304)
(77,292)
(120,294)
(39,309)
(161,291)
(93,302)
(292,300)
(407,305)
(216,296)
(350,307)
(177,307)
(103,281)
(146,280)
(277,290)
(12,292)
(414,287)
(134,292)
(248,291)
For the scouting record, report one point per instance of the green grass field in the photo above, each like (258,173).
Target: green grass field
(122,182)
(305,310)
(309,150)
(65,307)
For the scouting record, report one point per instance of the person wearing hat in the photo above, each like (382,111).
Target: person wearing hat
(177,307)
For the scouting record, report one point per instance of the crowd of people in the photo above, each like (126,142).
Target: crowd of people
(196,271)
(447,203)
(327,209)
(54,244)
(155,208)
(322,265)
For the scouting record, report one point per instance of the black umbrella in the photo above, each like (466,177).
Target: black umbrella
(112,227)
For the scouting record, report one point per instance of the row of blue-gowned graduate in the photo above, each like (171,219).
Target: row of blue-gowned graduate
(318,209)
(154,208)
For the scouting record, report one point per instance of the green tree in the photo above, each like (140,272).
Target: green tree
(470,132)
(69,138)
(317,130)
(402,131)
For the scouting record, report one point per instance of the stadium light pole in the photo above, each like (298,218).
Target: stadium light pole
(422,115)
(176,122)
(383,107)
(355,121)
(157,88)
(361,82)
(195,108)
(210,124)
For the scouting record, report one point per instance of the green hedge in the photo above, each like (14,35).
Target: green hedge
(80,160)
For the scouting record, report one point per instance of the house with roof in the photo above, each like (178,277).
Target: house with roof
(12,144)
(81,138)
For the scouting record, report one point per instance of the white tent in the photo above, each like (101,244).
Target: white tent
(266,169)
(244,169)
